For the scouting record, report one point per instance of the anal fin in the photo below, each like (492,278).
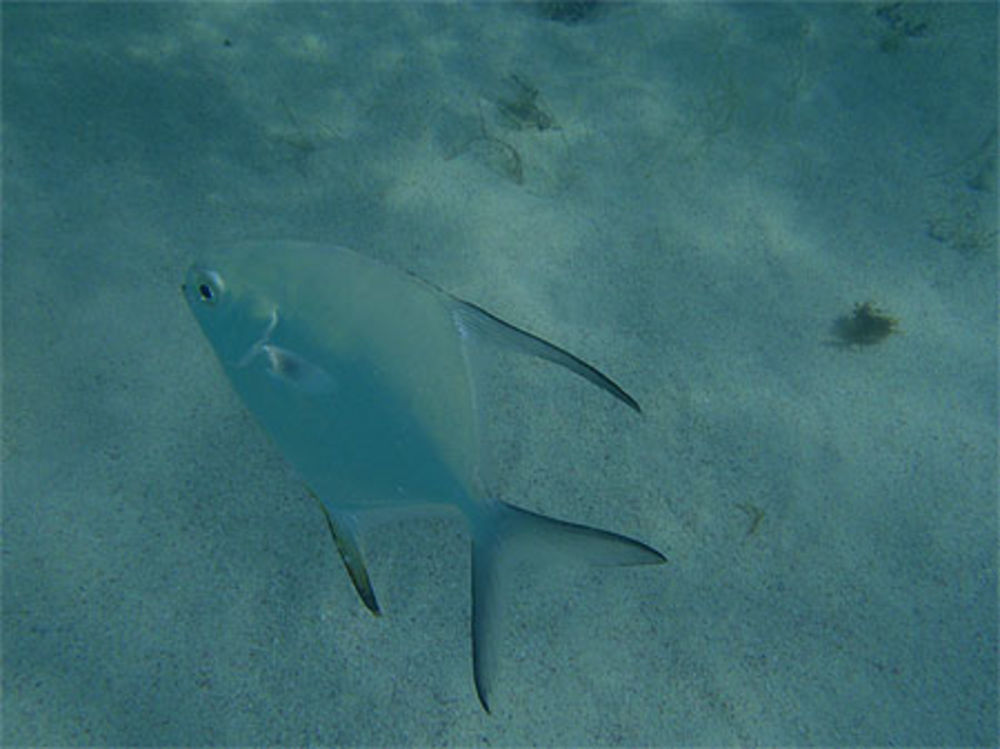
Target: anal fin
(345,538)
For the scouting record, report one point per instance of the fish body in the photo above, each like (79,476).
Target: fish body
(361,376)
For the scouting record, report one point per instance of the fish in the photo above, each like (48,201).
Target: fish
(364,377)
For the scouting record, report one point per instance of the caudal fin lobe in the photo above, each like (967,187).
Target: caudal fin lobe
(504,527)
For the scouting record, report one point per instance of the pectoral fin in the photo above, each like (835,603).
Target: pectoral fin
(471,318)
(344,536)
(296,371)
(285,366)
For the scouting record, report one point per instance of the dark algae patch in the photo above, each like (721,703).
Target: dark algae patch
(569,12)
(524,110)
(866,325)
(754,514)
(900,23)
(507,124)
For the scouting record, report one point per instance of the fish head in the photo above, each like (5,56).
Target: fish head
(231,316)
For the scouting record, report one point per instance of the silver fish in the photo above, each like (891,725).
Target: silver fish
(361,375)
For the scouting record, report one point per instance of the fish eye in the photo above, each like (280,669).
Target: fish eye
(209,287)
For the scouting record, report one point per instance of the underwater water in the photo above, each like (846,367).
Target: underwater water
(773,225)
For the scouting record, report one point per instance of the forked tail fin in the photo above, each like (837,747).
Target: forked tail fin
(502,525)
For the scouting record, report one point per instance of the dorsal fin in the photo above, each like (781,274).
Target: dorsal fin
(474,319)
